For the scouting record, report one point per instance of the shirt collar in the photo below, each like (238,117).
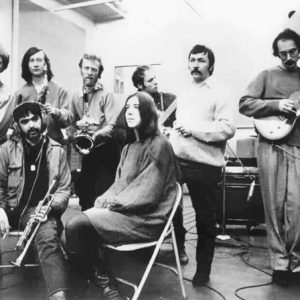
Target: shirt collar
(98,87)
(208,82)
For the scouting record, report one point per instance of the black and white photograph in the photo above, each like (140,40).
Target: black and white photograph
(149,149)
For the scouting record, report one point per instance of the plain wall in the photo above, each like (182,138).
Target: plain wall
(63,42)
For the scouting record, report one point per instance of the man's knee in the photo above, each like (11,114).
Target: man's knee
(76,223)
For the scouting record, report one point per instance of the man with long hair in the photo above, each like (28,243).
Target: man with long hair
(271,94)
(40,87)
(29,164)
(6,99)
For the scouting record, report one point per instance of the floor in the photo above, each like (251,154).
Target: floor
(240,269)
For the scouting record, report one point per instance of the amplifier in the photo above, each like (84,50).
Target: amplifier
(238,208)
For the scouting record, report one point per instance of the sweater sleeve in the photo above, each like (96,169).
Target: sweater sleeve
(108,106)
(222,127)
(63,114)
(253,104)
(62,193)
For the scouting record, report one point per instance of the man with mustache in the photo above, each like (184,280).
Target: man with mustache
(279,161)
(204,122)
(29,163)
(40,87)
(93,107)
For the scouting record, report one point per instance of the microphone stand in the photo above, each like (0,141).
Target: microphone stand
(223,236)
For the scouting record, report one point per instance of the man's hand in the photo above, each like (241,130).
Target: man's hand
(182,130)
(287,106)
(42,215)
(4,224)
(50,109)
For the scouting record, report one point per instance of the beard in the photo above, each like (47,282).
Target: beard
(89,81)
(33,135)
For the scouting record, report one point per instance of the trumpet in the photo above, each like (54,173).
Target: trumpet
(34,224)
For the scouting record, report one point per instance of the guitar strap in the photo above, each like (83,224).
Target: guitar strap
(167,113)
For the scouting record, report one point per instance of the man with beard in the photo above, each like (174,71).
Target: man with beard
(144,79)
(95,111)
(29,164)
(40,87)
(6,99)
(204,122)
(279,161)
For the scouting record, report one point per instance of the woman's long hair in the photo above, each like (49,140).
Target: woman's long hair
(26,75)
(149,118)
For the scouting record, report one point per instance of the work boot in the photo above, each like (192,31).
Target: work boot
(109,289)
(200,279)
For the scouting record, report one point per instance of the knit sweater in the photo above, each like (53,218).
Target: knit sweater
(206,111)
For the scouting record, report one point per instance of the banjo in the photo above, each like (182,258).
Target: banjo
(277,127)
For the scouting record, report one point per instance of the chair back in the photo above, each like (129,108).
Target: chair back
(173,211)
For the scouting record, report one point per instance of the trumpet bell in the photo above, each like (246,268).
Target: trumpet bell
(83,143)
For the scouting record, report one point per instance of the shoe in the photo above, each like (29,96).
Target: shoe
(184,259)
(281,278)
(200,279)
(109,290)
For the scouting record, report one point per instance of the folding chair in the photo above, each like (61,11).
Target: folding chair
(168,229)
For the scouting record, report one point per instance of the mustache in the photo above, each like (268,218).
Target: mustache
(33,130)
(289,62)
(196,70)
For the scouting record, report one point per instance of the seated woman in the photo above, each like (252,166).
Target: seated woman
(136,207)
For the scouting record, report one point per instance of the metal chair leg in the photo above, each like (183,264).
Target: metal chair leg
(180,277)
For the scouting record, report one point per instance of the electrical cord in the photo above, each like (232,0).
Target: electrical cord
(249,287)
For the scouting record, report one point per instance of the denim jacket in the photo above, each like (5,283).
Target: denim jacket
(12,174)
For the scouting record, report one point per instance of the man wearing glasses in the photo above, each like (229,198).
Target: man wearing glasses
(270,94)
